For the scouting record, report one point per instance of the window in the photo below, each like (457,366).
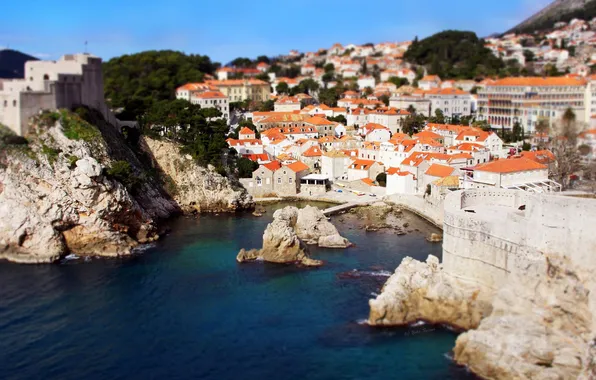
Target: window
(14,103)
(279,180)
(6,103)
(290,180)
(259,181)
(46,77)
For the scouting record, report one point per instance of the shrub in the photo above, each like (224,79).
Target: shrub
(72,161)
(121,171)
(382,179)
(51,153)
(75,128)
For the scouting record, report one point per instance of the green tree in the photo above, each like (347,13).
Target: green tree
(338,119)
(282,88)
(439,117)
(381,179)
(264,59)
(516,132)
(329,68)
(242,62)
(246,167)
(398,82)
(529,55)
(306,86)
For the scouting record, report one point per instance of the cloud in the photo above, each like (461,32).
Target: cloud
(41,55)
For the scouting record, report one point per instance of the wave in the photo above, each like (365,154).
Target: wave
(374,294)
(417,324)
(144,247)
(362,322)
(381,273)
(72,256)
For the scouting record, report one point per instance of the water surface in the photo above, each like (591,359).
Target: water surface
(185,309)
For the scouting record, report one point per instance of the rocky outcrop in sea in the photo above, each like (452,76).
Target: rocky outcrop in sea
(284,238)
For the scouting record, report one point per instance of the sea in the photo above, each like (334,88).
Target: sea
(183,308)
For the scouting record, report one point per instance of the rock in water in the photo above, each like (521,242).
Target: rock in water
(435,238)
(420,291)
(312,225)
(283,238)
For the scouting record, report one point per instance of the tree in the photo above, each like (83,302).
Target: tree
(412,124)
(529,55)
(242,62)
(482,124)
(134,82)
(327,77)
(307,86)
(263,58)
(329,68)
(398,82)
(411,109)
(439,117)
(246,167)
(564,147)
(282,88)
(385,99)
(268,105)
(263,76)
(454,54)
(338,119)
(516,132)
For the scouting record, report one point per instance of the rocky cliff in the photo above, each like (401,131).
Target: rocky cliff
(194,188)
(284,238)
(79,187)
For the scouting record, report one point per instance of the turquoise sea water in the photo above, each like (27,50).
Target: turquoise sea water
(185,309)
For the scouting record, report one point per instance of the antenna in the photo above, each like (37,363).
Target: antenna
(85,47)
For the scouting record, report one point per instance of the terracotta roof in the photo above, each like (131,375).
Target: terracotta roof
(434,78)
(538,81)
(256,157)
(446,91)
(427,134)
(398,171)
(438,170)
(297,166)
(416,158)
(313,151)
(368,181)
(510,165)
(541,156)
(478,133)
(246,131)
(273,165)
(362,164)
(237,82)
(468,147)
(317,120)
(243,142)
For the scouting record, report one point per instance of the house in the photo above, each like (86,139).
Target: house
(324,127)
(435,172)
(287,104)
(243,89)
(400,182)
(453,102)
(429,82)
(312,158)
(588,137)
(334,165)
(246,134)
(359,169)
(365,81)
(375,132)
(513,173)
(478,153)
(275,179)
(489,140)
(246,146)
(314,184)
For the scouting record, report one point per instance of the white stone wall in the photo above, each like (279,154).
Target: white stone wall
(498,239)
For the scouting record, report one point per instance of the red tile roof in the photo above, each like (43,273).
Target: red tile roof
(273,165)
(511,165)
(438,170)
(313,151)
(297,166)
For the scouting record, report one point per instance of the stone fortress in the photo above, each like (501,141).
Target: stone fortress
(518,273)
(73,80)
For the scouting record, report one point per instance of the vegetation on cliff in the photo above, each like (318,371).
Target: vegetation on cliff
(134,82)
(454,54)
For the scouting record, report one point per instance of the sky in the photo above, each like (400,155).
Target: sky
(226,29)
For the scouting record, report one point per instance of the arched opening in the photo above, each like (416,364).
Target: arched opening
(14,103)
(6,103)
(46,77)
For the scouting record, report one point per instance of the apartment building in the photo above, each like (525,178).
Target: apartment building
(529,99)
(452,101)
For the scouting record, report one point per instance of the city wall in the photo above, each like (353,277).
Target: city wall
(489,234)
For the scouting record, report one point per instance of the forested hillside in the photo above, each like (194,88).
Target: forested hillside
(135,81)
(454,54)
(560,10)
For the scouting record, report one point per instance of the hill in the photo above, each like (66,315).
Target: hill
(559,10)
(12,63)
(454,54)
(136,81)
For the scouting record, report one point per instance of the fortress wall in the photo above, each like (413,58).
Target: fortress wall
(498,239)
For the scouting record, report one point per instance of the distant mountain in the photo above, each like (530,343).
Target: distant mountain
(558,10)
(12,63)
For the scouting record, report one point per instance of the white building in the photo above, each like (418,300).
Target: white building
(514,173)
(212,99)
(452,101)
(400,182)
(429,82)
(334,165)
(365,81)
(360,169)
(73,80)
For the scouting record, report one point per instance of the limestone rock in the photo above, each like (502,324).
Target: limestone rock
(312,225)
(194,188)
(420,291)
(50,207)
(281,242)
(540,328)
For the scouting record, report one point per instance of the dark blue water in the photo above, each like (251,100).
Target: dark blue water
(186,309)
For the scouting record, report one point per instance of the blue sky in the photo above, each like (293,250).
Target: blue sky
(226,29)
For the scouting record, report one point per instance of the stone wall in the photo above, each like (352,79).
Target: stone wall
(490,234)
